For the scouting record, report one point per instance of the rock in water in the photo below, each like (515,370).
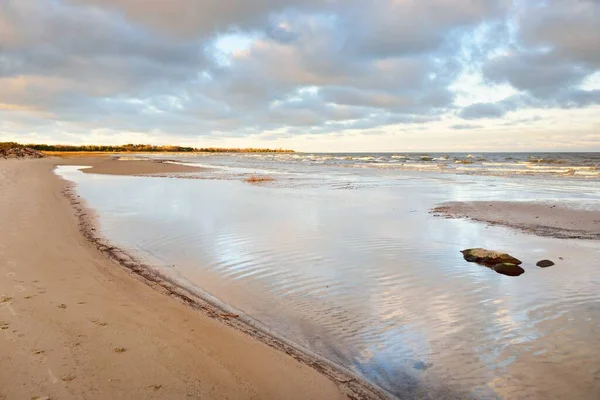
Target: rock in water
(508,269)
(489,257)
(544,263)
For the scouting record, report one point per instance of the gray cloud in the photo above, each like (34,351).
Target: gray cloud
(539,74)
(465,126)
(483,110)
(555,49)
(192,17)
(365,98)
(392,28)
(316,66)
(570,28)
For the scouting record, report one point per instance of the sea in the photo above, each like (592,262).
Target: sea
(584,165)
(341,255)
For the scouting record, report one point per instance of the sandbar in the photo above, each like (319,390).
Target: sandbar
(539,218)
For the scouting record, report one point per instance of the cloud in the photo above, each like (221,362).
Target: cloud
(392,28)
(555,49)
(465,126)
(191,17)
(569,28)
(539,74)
(276,69)
(547,60)
(483,110)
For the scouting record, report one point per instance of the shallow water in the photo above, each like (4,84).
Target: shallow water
(353,266)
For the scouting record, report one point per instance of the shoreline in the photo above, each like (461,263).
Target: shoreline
(354,386)
(538,218)
(75,326)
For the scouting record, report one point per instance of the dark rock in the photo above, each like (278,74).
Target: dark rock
(508,269)
(544,263)
(489,257)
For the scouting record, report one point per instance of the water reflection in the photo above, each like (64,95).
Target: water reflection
(370,279)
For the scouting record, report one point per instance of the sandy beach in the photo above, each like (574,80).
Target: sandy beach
(543,219)
(163,291)
(75,324)
(299,200)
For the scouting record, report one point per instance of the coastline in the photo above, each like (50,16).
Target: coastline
(538,218)
(300,374)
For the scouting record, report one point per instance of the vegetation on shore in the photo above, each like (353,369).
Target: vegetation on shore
(15,150)
(145,148)
(10,145)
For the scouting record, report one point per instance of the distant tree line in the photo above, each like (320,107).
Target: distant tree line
(146,148)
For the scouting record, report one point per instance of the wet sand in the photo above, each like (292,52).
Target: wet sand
(75,324)
(121,166)
(543,219)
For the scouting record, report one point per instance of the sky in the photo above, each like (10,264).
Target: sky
(311,75)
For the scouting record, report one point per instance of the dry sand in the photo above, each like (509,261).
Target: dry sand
(75,324)
(542,219)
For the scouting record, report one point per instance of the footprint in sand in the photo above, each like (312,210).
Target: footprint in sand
(68,377)
(8,334)
(39,356)
(99,323)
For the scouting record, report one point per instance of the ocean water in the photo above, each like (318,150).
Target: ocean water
(346,260)
(577,165)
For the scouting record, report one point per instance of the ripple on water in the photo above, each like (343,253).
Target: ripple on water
(358,277)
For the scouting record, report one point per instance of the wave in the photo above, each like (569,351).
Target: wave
(547,160)
(567,165)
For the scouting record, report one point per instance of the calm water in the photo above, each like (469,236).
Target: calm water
(348,262)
